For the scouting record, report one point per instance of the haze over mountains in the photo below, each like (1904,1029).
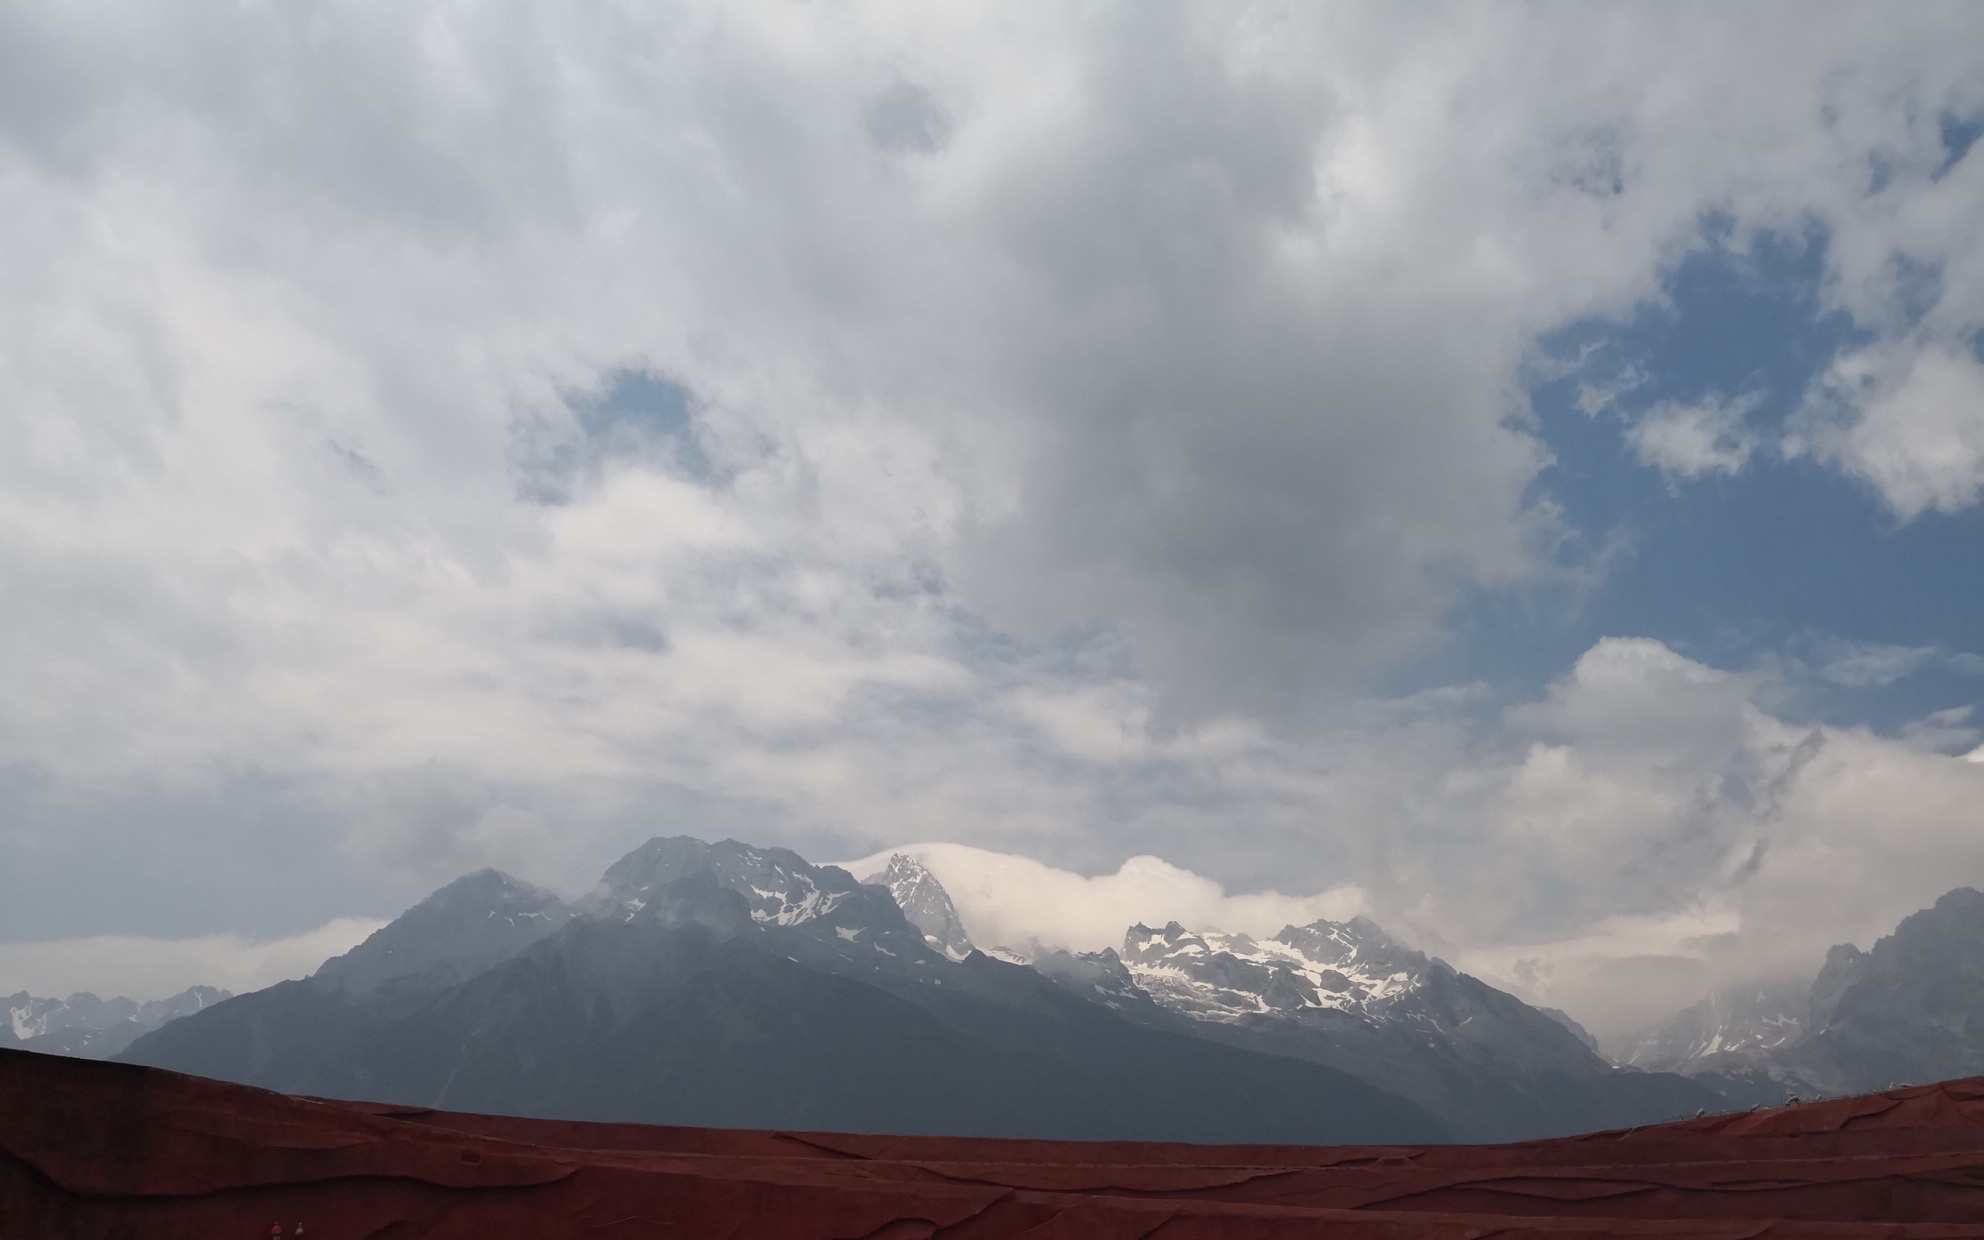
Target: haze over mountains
(1909,1009)
(94,1028)
(730,985)
(725,984)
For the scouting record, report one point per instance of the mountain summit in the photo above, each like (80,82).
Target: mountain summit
(1909,1009)
(725,984)
(462,929)
(1349,995)
(925,902)
(778,885)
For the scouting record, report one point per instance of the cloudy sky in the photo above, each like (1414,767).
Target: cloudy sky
(1518,472)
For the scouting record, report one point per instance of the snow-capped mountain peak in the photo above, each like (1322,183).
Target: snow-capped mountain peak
(779,886)
(925,902)
(93,1028)
(1733,1027)
(1349,966)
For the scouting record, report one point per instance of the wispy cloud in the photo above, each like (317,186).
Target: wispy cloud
(1686,441)
(145,968)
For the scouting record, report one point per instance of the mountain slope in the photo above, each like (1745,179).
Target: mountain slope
(1349,996)
(1733,1029)
(925,902)
(462,929)
(730,1031)
(722,984)
(1909,1009)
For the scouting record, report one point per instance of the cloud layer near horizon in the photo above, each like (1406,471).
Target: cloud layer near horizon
(1646,830)
(1066,414)
(144,968)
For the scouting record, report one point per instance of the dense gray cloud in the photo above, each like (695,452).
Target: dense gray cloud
(1063,414)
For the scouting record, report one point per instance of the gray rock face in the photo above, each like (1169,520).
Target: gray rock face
(1910,1010)
(779,886)
(1843,966)
(91,1028)
(727,985)
(925,902)
(1564,1018)
(1737,1028)
(1348,995)
(469,925)
(1100,977)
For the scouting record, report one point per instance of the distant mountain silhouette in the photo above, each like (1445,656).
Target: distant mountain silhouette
(726,985)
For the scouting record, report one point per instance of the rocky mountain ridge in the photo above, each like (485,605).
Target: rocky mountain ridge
(1348,995)
(483,994)
(925,902)
(732,985)
(91,1028)
(1909,1009)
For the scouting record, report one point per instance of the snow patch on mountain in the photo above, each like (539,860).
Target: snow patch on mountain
(925,902)
(1736,1026)
(1348,966)
(94,1028)
(780,887)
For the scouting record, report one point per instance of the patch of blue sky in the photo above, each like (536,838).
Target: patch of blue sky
(1737,568)
(1959,134)
(632,413)
(638,405)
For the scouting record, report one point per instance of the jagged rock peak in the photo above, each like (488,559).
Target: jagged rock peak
(93,1028)
(780,886)
(925,902)
(1733,1028)
(1213,975)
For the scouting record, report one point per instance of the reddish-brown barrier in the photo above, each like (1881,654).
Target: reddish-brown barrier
(91,1150)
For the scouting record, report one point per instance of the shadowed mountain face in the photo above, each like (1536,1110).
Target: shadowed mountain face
(1348,995)
(1911,1009)
(725,985)
(460,930)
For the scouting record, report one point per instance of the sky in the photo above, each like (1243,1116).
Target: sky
(1513,471)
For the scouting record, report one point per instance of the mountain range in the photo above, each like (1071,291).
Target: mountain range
(721,984)
(86,1026)
(1910,1009)
(724,984)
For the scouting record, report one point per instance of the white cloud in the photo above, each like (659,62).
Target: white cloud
(1861,665)
(146,968)
(1909,422)
(1664,833)
(1687,441)
(1014,901)
(1201,329)
(1643,831)
(1203,326)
